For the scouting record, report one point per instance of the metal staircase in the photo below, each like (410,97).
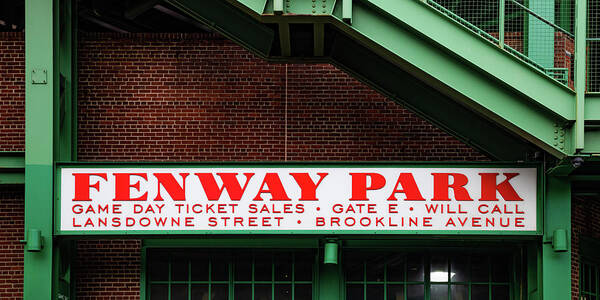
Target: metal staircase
(473,83)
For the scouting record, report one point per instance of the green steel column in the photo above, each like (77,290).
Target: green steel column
(501,14)
(40,16)
(556,266)
(580,80)
(541,35)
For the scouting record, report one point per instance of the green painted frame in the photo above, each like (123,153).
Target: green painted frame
(539,215)
(145,283)
(326,277)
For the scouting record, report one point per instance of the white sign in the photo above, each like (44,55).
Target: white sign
(309,198)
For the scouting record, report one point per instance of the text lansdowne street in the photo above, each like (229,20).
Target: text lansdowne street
(298,199)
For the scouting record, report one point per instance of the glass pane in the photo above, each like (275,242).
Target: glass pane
(395,268)
(415,292)
(219,292)
(179,268)
(262,267)
(158,266)
(220,269)
(283,267)
(459,268)
(439,269)
(480,292)
(179,292)
(500,268)
(439,292)
(395,292)
(199,269)
(262,292)
(200,292)
(159,292)
(593,279)
(459,292)
(500,293)
(303,292)
(376,266)
(354,292)
(353,266)
(283,292)
(304,266)
(243,268)
(242,292)
(375,292)
(479,268)
(415,268)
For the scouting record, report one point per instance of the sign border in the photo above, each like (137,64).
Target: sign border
(312,164)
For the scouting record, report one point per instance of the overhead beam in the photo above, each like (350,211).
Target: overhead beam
(231,22)
(285,42)
(319,39)
(139,8)
(465,82)
(429,103)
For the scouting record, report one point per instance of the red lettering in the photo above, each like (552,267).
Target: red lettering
(274,187)
(489,187)
(307,186)
(176,191)
(230,183)
(410,189)
(359,185)
(123,186)
(441,185)
(82,185)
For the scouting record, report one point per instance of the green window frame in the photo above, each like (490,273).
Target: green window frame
(252,263)
(589,272)
(424,286)
(589,269)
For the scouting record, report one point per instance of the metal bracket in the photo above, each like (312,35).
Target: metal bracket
(39,76)
(559,136)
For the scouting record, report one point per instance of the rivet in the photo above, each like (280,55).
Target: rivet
(555,144)
(314,5)
(314,11)
(562,140)
(561,147)
(555,125)
(324,11)
(555,137)
(324,5)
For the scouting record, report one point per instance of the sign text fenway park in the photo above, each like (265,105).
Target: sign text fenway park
(299,198)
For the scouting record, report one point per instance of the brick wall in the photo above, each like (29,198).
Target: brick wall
(585,222)
(193,97)
(11,250)
(12,91)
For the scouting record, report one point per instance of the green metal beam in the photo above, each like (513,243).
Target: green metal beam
(40,91)
(580,80)
(427,102)
(12,160)
(231,22)
(284,39)
(592,110)
(319,39)
(556,269)
(474,50)
(463,81)
(516,96)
